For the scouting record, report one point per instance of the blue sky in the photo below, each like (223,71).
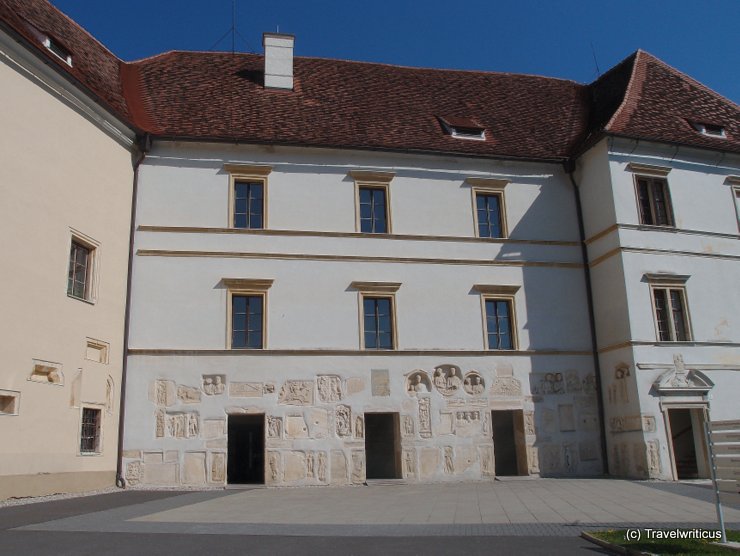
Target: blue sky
(552,38)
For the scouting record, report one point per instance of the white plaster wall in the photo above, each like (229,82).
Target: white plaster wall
(58,171)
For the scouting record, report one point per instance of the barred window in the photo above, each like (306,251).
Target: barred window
(90,433)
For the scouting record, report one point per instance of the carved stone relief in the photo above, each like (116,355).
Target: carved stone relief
(446,421)
(425,418)
(188,394)
(355,385)
(214,385)
(474,384)
(218,467)
(159,423)
(182,425)
(409,463)
(449,460)
(429,462)
(274,427)
(507,386)
(533,460)
(573,382)
(165,393)
(407,426)
(569,458)
(566,417)
(380,382)
(653,457)
(46,373)
(296,392)
(618,389)
(268,388)
(296,427)
(274,467)
(448,379)
(338,467)
(343,420)
(486,460)
(245,389)
(321,471)
(529,423)
(548,383)
(631,423)
(311,465)
(330,388)
(418,382)
(648,423)
(465,458)
(358,466)
(133,473)
(589,384)
(359,427)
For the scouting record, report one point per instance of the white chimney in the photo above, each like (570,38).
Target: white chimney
(278,60)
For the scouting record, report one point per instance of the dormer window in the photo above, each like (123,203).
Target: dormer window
(713,130)
(463,128)
(58,50)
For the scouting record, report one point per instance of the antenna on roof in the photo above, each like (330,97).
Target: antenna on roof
(593,52)
(233,31)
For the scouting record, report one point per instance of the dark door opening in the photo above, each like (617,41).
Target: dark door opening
(508,442)
(246,463)
(684,447)
(382,446)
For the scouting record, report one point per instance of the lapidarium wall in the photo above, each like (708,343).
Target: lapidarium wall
(314,421)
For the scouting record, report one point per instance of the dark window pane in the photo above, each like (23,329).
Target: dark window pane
(378,322)
(499,324)
(646,216)
(248,205)
(661,206)
(373,211)
(661,315)
(679,319)
(90,433)
(77,279)
(489,215)
(246,325)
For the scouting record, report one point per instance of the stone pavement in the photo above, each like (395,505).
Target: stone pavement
(527,507)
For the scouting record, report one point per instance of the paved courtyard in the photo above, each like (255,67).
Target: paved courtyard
(516,512)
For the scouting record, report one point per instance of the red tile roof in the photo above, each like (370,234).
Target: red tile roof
(335,103)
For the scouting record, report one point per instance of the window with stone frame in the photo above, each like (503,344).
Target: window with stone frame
(90,441)
(249,205)
(373,210)
(80,274)
(499,323)
(488,214)
(247,321)
(671,314)
(377,315)
(654,201)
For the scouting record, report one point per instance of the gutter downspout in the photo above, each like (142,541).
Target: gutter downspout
(569,166)
(143,145)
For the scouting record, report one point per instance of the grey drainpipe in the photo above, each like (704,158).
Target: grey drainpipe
(569,166)
(143,144)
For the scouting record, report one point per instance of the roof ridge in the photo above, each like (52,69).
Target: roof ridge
(88,33)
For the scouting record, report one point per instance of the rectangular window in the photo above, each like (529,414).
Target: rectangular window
(671,315)
(498,324)
(736,196)
(488,211)
(654,201)
(373,210)
(90,433)
(9,402)
(249,205)
(79,278)
(378,322)
(247,321)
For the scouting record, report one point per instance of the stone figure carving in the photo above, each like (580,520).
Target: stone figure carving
(380,383)
(573,382)
(467,417)
(274,427)
(408,463)
(358,466)
(245,389)
(310,465)
(359,427)
(552,383)
(408,425)
(654,458)
(176,425)
(133,473)
(214,385)
(486,460)
(161,388)
(159,423)
(473,384)
(268,388)
(187,394)
(529,423)
(322,467)
(447,379)
(681,377)
(533,460)
(193,425)
(109,395)
(218,467)
(589,384)
(425,418)
(418,383)
(344,420)
(330,388)
(449,462)
(568,458)
(507,386)
(618,393)
(296,392)
(273,460)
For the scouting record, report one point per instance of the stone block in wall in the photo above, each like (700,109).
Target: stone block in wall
(425,417)
(409,463)
(171,456)
(295,427)
(163,392)
(446,421)
(573,383)
(274,427)
(358,466)
(217,443)
(465,458)
(487,468)
(355,385)
(194,468)
(529,428)
(131,454)
(214,428)
(274,473)
(588,419)
(343,421)
(134,473)
(380,383)
(213,385)
(533,460)
(245,389)
(551,458)
(218,467)
(188,394)
(161,474)
(153,457)
(566,418)
(339,474)
(330,388)
(294,466)
(407,426)
(548,421)
(570,458)
(429,460)
(318,423)
(589,450)
(296,392)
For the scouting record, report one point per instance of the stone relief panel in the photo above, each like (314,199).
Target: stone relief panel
(570,454)
(183,425)
(152,457)
(194,469)
(159,423)
(467,423)
(407,426)
(465,458)
(507,387)
(619,388)
(295,426)
(473,384)
(588,451)
(245,389)
(133,473)
(321,467)
(188,394)
(339,467)
(425,417)
(310,465)
(573,382)
(296,392)
(274,427)
(449,460)
(274,467)
(487,467)
(648,423)
(446,423)
(330,388)
(588,420)
(358,466)
(409,463)
(418,382)
(448,379)
(551,458)
(343,421)
(653,457)
(529,429)
(631,423)
(380,382)
(318,423)
(639,459)
(359,427)
(429,462)
(165,393)
(533,460)
(268,388)
(548,384)
(566,417)
(218,467)
(214,385)
(589,384)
